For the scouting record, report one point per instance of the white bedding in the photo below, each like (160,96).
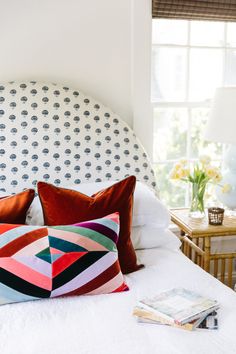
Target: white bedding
(104,324)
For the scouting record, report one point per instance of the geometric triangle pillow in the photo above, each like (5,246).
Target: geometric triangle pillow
(43,262)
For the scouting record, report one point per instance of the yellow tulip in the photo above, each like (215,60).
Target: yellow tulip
(213,173)
(175,173)
(226,188)
(217,178)
(178,166)
(185,172)
(183,162)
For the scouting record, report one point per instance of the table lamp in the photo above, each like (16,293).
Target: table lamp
(221,127)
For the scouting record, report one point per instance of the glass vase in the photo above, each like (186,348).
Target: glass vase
(197,209)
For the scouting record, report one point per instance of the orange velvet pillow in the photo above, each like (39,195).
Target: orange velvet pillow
(13,208)
(64,206)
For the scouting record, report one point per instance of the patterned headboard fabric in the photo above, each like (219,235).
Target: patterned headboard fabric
(53,133)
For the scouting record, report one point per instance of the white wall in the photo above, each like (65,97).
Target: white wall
(88,44)
(141,71)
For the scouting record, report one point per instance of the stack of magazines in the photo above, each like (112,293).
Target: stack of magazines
(178,308)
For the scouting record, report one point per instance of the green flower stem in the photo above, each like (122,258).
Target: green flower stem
(198,192)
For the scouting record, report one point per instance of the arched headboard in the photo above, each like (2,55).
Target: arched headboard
(57,134)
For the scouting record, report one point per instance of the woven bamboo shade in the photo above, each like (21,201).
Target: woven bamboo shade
(213,10)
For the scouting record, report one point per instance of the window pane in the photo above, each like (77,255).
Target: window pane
(199,145)
(169,31)
(206,70)
(168,74)
(171,193)
(170,133)
(231,34)
(179,132)
(207,33)
(230,69)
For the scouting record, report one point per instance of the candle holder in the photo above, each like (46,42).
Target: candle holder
(215,216)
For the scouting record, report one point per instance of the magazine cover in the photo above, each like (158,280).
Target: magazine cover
(180,305)
(209,322)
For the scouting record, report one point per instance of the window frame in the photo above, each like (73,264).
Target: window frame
(188,104)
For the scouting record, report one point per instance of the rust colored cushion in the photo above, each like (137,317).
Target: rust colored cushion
(64,206)
(13,208)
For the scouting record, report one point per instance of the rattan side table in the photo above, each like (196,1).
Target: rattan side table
(196,236)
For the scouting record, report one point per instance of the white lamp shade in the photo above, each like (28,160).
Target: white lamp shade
(221,126)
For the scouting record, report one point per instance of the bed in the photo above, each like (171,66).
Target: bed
(56,134)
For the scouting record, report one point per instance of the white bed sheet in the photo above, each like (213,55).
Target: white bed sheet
(104,324)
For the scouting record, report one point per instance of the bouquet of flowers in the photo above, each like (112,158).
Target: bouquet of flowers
(199,176)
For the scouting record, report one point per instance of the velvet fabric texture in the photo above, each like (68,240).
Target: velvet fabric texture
(38,262)
(13,208)
(63,206)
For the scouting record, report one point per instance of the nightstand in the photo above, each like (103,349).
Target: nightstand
(196,236)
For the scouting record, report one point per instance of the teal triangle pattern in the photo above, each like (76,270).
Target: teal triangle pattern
(65,246)
(45,255)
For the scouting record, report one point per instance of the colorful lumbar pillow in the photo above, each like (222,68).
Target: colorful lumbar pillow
(65,206)
(42,262)
(13,208)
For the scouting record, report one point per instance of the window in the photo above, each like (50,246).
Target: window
(189,60)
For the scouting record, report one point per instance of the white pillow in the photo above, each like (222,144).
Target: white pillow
(150,237)
(148,209)
(34,214)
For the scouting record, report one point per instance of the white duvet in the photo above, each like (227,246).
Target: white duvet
(104,324)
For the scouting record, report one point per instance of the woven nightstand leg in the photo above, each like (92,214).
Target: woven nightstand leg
(207,251)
